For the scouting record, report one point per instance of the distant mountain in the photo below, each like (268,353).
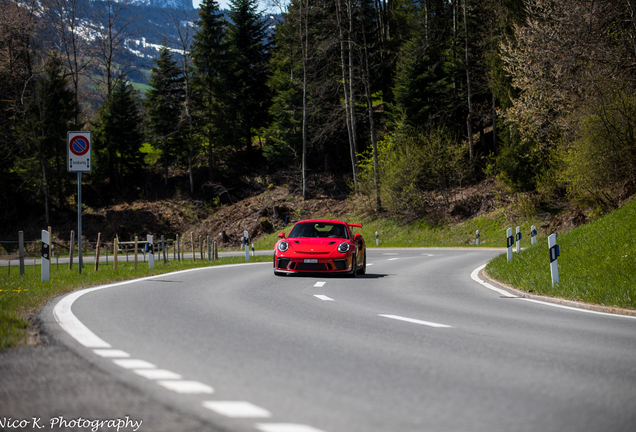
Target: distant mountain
(174,4)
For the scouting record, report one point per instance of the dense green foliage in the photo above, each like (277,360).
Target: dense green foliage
(397,99)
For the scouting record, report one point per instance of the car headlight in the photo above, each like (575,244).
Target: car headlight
(343,247)
(283,246)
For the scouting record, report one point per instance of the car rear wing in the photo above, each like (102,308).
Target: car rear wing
(355,225)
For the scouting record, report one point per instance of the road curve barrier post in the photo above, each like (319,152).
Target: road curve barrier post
(477,237)
(46,254)
(151,252)
(163,249)
(554,255)
(518,239)
(246,239)
(533,235)
(510,241)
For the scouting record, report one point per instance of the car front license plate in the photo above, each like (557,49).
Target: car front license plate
(311,261)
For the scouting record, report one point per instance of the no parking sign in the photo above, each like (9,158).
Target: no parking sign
(79,151)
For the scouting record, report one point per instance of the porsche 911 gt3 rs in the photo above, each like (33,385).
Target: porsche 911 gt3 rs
(321,246)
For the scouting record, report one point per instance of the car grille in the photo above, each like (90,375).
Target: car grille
(312,267)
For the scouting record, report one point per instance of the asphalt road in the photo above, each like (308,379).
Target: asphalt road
(414,345)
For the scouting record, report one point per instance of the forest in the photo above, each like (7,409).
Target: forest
(393,98)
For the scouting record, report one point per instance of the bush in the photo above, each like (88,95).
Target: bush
(411,161)
(600,165)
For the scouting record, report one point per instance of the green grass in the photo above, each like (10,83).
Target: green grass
(394,233)
(597,263)
(24,295)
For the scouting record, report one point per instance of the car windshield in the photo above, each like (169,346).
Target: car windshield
(319,229)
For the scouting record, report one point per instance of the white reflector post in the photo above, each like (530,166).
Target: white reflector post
(518,238)
(554,255)
(46,255)
(533,234)
(151,252)
(510,240)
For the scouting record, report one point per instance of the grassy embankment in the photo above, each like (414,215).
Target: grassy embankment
(24,295)
(597,263)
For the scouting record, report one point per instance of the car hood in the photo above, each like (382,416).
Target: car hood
(314,245)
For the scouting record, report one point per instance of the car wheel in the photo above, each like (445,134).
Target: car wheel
(363,270)
(354,269)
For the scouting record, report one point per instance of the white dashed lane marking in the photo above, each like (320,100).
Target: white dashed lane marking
(392,259)
(237,409)
(320,284)
(186,387)
(157,374)
(323,297)
(111,353)
(285,427)
(415,321)
(134,364)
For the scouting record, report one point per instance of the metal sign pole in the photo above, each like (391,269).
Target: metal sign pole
(79,222)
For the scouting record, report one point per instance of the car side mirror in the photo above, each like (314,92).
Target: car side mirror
(281,235)
(357,237)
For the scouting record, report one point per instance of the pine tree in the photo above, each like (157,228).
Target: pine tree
(118,135)
(247,96)
(209,57)
(163,105)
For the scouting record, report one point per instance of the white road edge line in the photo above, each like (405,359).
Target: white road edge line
(475,276)
(415,321)
(74,327)
(323,297)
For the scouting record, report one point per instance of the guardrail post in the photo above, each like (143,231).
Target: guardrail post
(533,234)
(21,257)
(554,255)
(518,238)
(163,249)
(136,249)
(99,239)
(46,244)
(510,240)
(70,251)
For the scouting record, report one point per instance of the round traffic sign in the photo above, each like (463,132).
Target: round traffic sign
(79,145)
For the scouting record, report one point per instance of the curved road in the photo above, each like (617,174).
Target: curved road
(414,345)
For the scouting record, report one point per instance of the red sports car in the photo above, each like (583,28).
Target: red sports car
(321,246)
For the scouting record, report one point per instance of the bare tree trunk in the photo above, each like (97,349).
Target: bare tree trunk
(346,95)
(352,105)
(304,48)
(494,125)
(367,85)
(470,107)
